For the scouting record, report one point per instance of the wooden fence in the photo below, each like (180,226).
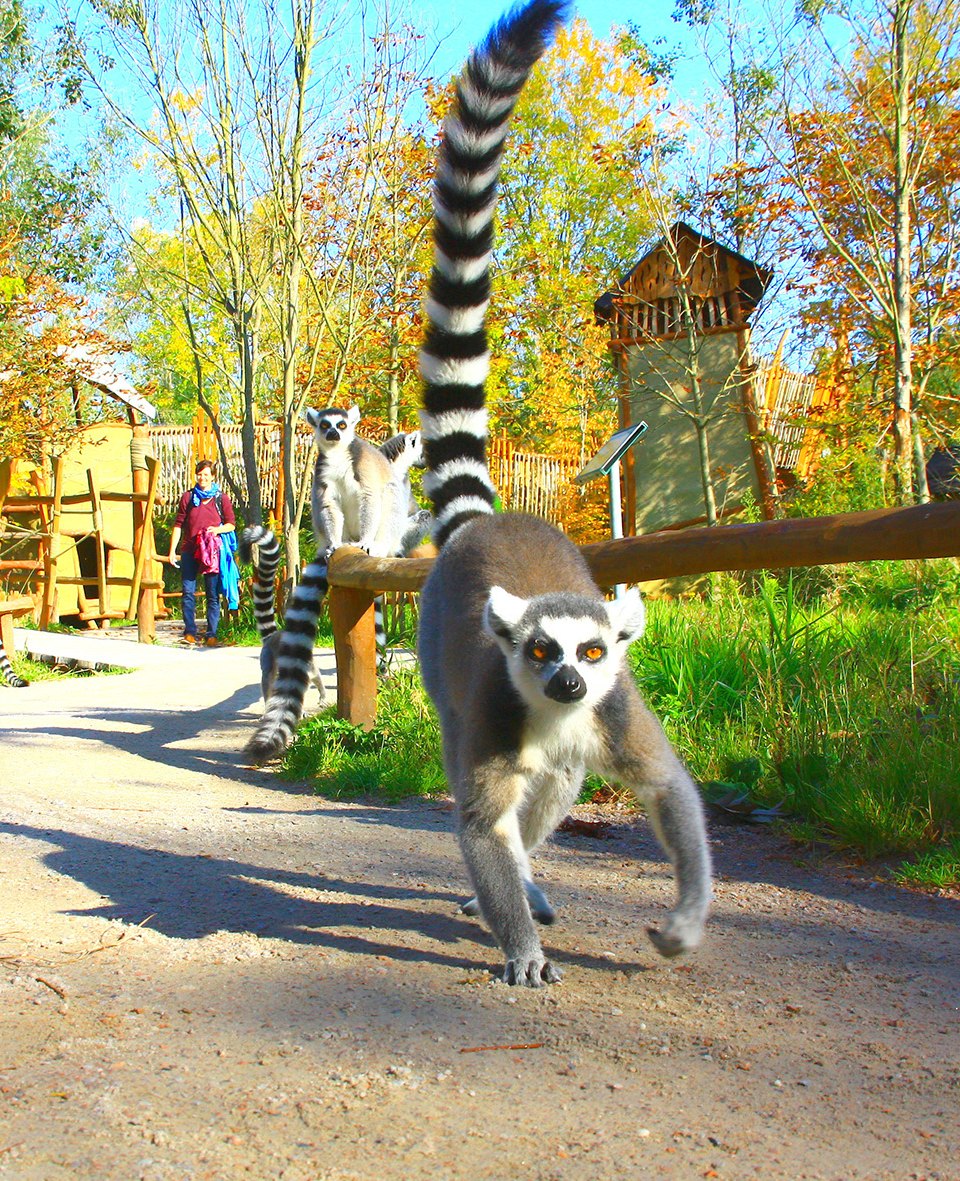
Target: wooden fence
(174,449)
(925,531)
(527,482)
(788,405)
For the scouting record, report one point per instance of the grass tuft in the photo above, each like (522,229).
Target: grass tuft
(399,757)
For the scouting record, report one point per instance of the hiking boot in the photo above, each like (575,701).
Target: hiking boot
(186,638)
(211,642)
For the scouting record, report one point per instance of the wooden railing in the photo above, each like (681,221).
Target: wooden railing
(925,531)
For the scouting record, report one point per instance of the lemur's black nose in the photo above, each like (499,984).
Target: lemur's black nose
(566,684)
(332,436)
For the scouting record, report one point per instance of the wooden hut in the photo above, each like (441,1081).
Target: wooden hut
(679,323)
(83,533)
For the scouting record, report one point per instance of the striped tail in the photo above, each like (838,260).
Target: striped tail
(294,667)
(455,361)
(6,671)
(265,575)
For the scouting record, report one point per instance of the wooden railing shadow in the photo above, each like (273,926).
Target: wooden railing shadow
(923,531)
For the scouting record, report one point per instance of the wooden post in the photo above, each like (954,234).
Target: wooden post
(51,548)
(355,645)
(103,602)
(146,471)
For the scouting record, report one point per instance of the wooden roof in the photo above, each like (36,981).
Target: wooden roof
(724,284)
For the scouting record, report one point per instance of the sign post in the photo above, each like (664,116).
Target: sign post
(607,463)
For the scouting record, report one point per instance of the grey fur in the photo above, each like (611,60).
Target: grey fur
(522,655)
(269,654)
(358,497)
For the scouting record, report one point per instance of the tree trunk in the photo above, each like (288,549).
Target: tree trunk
(248,360)
(902,288)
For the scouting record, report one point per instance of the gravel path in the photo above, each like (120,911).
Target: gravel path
(208,972)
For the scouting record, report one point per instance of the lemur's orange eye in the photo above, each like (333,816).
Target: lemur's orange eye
(593,652)
(538,652)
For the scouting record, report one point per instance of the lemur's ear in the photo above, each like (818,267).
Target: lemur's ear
(312,416)
(627,616)
(353,415)
(502,613)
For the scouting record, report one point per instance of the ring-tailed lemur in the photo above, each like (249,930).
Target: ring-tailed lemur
(358,498)
(10,677)
(264,609)
(522,655)
(404,451)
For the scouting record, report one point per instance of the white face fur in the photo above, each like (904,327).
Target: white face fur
(562,657)
(333,427)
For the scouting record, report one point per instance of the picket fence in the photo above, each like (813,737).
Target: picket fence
(526,481)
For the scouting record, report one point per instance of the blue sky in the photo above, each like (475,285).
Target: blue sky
(462,26)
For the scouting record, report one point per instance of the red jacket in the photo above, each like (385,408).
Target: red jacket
(193,519)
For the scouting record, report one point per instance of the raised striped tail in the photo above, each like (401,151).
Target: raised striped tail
(455,361)
(294,667)
(10,677)
(265,575)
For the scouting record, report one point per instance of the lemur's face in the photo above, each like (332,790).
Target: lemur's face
(563,648)
(333,427)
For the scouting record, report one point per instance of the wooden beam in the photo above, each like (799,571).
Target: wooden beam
(51,546)
(9,608)
(352,567)
(101,553)
(923,531)
(145,481)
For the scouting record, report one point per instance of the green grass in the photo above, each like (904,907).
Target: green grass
(41,670)
(939,868)
(836,701)
(238,627)
(847,714)
(399,757)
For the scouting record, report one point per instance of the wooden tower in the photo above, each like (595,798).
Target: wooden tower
(679,330)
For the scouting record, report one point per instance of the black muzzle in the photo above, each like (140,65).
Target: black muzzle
(566,685)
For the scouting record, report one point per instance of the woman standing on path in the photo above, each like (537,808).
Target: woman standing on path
(203,514)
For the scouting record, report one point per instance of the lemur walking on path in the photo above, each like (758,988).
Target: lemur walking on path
(264,606)
(360,496)
(522,655)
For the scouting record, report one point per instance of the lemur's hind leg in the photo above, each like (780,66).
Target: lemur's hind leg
(539,816)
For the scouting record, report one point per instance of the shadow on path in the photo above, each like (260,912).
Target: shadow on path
(188,897)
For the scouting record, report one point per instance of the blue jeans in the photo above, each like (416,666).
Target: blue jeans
(211,582)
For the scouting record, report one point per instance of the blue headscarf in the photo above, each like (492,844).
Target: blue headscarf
(199,495)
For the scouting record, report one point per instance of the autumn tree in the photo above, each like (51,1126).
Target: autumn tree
(868,151)
(51,240)
(233,91)
(566,224)
(271,147)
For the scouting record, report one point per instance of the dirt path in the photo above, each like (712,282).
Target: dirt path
(209,973)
